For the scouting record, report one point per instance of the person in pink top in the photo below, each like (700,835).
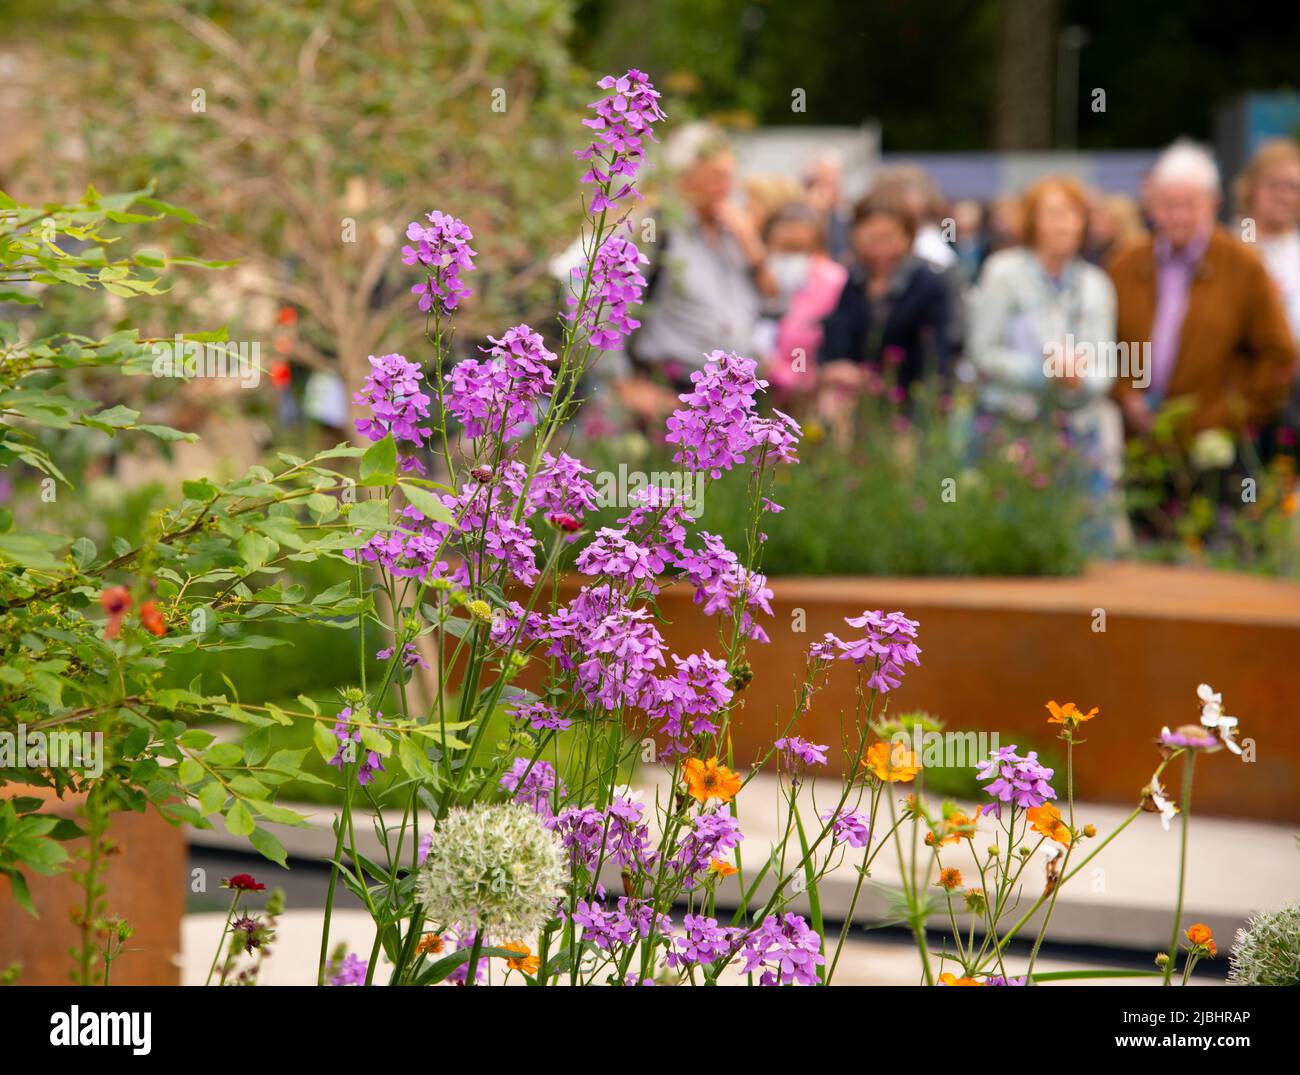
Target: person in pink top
(809,284)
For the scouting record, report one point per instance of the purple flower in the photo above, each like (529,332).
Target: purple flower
(711,836)
(499,395)
(997,979)
(397,405)
(723,585)
(623,120)
(683,703)
(612,553)
(532,783)
(616,283)
(797,750)
(559,486)
(848,827)
(612,649)
(718,424)
(541,717)
(347,737)
(410,656)
(701,940)
(442,247)
(581,830)
(1188,735)
(1020,781)
(631,921)
(351,972)
(890,643)
(786,949)
(627,840)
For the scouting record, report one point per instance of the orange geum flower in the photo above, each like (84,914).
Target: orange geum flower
(1069,713)
(1046,820)
(892,763)
(949,878)
(1200,935)
(708,780)
(430,944)
(152,618)
(956,826)
(722,869)
(526,961)
(948,978)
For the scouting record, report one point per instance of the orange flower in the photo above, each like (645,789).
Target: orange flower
(1069,713)
(892,763)
(708,780)
(947,978)
(722,869)
(1046,820)
(956,826)
(430,944)
(152,619)
(1201,936)
(526,962)
(949,878)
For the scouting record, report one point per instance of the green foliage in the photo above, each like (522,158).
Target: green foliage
(86,634)
(907,496)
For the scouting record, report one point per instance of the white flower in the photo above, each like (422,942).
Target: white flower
(1212,716)
(1211,704)
(492,866)
(1213,450)
(1157,796)
(629,794)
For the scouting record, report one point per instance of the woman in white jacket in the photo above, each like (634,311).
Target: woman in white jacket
(1041,339)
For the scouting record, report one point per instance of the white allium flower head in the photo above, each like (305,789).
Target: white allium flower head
(495,867)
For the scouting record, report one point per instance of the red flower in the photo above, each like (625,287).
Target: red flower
(287,315)
(563,521)
(115,601)
(244,882)
(152,619)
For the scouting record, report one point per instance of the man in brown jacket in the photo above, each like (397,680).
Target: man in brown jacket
(1205,304)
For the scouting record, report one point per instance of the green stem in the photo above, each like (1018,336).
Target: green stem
(1189,769)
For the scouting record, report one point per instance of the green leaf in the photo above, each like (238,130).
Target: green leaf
(270,847)
(326,743)
(212,798)
(379,464)
(427,504)
(255,549)
(224,754)
(239,822)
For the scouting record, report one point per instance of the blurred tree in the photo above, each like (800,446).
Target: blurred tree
(942,74)
(309,135)
(1026,55)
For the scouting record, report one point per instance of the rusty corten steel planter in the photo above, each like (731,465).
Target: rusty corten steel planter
(147,884)
(995,650)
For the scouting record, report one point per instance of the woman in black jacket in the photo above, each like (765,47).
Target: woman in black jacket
(893,311)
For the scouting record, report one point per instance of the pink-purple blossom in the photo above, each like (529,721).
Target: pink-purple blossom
(442,248)
(623,122)
(616,283)
(795,750)
(848,827)
(498,395)
(785,949)
(1021,781)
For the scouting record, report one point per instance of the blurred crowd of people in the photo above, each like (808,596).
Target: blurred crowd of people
(1054,304)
